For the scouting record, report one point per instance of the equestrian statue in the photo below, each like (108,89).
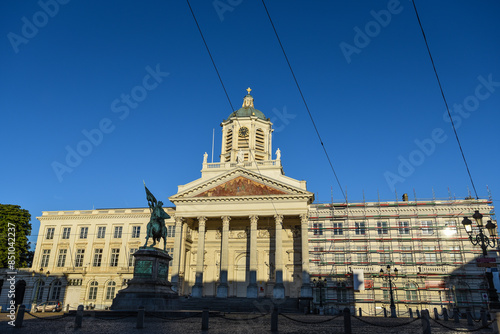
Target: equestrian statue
(156,228)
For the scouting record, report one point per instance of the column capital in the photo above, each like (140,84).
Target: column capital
(178,219)
(226,219)
(304,218)
(278,219)
(253,218)
(202,220)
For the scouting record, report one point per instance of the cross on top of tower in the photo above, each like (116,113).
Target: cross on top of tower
(249,90)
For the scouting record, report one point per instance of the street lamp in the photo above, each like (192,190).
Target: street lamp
(388,277)
(321,283)
(482,240)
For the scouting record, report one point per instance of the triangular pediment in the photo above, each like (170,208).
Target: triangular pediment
(241,186)
(240,183)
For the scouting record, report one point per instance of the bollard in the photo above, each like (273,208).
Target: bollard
(445,314)
(140,317)
(418,314)
(79,317)
(411,313)
(456,315)
(204,319)
(360,312)
(436,313)
(347,321)
(67,308)
(385,312)
(470,322)
(426,326)
(274,320)
(484,318)
(20,317)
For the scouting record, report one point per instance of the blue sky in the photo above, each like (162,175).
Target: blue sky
(67,69)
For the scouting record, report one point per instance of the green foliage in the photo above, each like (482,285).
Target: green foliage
(12,216)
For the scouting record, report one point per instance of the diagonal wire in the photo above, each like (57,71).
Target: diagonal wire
(304,100)
(444,99)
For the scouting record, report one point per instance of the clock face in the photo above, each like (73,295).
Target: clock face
(243,132)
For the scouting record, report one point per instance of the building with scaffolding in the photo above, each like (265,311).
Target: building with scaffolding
(423,239)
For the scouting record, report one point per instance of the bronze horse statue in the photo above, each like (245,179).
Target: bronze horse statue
(156,228)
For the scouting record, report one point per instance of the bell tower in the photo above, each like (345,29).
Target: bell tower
(246,134)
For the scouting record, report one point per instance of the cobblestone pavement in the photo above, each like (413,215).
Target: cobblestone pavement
(229,323)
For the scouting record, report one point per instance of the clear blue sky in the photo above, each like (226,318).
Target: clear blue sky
(67,69)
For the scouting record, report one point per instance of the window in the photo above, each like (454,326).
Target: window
(101,232)
(385,289)
(83,232)
(426,227)
(45,258)
(171,253)
(79,257)
(363,256)
(66,232)
(455,255)
(136,231)
(360,228)
(115,253)
(93,290)
(318,252)
(40,287)
(450,228)
(337,229)
(118,232)
(131,258)
(339,257)
(430,256)
(110,290)
(385,254)
(170,231)
(411,292)
(50,233)
(61,260)
(318,228)
(342,293)
(382,228)
(55,293)
(406,254)
(97,257)
(404,227)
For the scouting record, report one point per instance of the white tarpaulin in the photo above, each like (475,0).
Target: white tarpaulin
(358,278)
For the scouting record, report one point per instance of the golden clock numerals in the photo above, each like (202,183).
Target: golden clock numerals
(243,132)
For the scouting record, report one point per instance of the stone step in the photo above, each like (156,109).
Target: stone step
(235,304)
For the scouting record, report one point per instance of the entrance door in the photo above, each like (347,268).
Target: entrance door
(241,281)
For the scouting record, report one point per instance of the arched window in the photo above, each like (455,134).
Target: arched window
(110,290)
(39,287)
(55,290)
(93,290)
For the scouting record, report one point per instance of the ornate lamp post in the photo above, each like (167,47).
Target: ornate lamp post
(482,240)
(321,283)
(388,277)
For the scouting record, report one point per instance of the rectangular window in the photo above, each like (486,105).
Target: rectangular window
(426,227)
(50,233)
(97,257)
(115,253)
(430,255)
(45,258)
(61,260)
(339,257)
(66,232)
(170,231)
(101,232)
(118,232)
(337,229)
(385,254)
(171,253)
(80,253)
(362,257)
(406,254)
(450,228)
(385,287)
(404,228)
(455,255)
(93,291)
(131,258)
(136,231)
(382,228)
(360,228)
(318,228)
(83,232)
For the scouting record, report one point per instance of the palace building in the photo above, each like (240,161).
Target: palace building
(244,229)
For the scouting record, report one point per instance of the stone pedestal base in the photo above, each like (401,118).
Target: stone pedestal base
(252,290)
(149,287)
(197,291)
(279,291)
(306,291)
(222,291)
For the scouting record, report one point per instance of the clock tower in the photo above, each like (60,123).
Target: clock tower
(246,134)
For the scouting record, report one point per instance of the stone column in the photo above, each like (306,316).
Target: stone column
(176,262)
(252,291)
(222,289)
(197,291)
(305,289)
(279,288)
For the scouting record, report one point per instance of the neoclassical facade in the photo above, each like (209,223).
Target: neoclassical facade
(248,221)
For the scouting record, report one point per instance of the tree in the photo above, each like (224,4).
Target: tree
(13,218)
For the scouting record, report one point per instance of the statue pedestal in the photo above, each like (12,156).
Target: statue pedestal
(150,286)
